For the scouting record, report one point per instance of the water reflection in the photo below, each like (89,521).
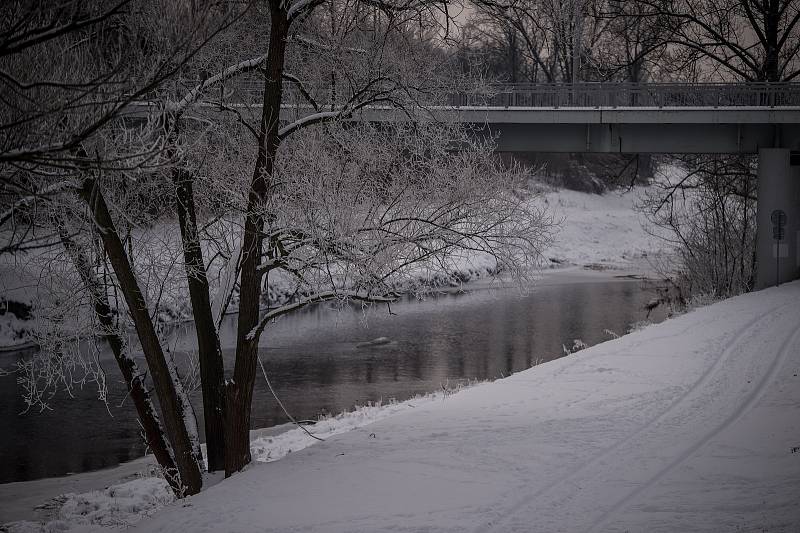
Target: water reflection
(316,366)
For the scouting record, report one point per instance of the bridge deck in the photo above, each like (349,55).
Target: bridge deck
(592,115)
(630,130)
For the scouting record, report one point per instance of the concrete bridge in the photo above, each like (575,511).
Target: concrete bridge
(706,118)
(628,118)
(754,118)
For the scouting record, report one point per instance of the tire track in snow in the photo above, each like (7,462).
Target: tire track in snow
(746,330)
(751,399)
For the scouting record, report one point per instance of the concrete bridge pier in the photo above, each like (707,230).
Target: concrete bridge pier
(778,190)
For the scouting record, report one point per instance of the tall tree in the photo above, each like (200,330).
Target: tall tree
(750,40)
(710,209)
(558,37)
(633,47)
(72,72)
(348,213)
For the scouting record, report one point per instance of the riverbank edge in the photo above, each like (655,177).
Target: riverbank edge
(19,500)
(469,278)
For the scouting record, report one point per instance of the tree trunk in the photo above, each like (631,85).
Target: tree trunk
(771,22)
(239,391)
(153,432)
(185,446)
(212,371)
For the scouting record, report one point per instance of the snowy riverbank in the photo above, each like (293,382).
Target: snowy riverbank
(689,425)
(122,496)
(586,239)
(602,231)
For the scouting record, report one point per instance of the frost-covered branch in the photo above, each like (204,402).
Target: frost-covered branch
(365,96)
(309,120)
(301,7)
(234,70)
(299,84)
(44,193)
(11,43)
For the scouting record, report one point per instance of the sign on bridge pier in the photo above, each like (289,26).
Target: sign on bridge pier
(778,218)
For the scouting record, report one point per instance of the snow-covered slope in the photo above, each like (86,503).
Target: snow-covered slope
(601,231)
(690,425)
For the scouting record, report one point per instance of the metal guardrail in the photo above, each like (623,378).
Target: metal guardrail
(596,95)
(560,95)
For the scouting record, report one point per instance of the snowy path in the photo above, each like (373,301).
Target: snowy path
(685,426)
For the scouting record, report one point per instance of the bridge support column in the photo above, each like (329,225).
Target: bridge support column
(778,189)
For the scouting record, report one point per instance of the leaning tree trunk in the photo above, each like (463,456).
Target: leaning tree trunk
(148,417)
(239,391)
(186,446)
(212,371)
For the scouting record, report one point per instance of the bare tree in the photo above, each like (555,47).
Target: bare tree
(708,211)
(633,48)
(73,72)
(69,68)
(345,70)
(558,38)
(742,39)
(351,211)
(512,41)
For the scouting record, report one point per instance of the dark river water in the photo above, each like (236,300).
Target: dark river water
(316,365)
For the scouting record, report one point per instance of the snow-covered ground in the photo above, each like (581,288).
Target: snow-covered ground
(602,231)
(122,496)
(588,236)
(688,425)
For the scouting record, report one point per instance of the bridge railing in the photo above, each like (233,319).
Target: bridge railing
(595,95)
(561,95)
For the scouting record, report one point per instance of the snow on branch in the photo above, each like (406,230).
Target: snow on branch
(347,109)
(234,70)
(228,276)
(316,118)
(302,88)
(301,7)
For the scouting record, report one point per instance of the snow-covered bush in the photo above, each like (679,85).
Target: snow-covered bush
(706,207)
